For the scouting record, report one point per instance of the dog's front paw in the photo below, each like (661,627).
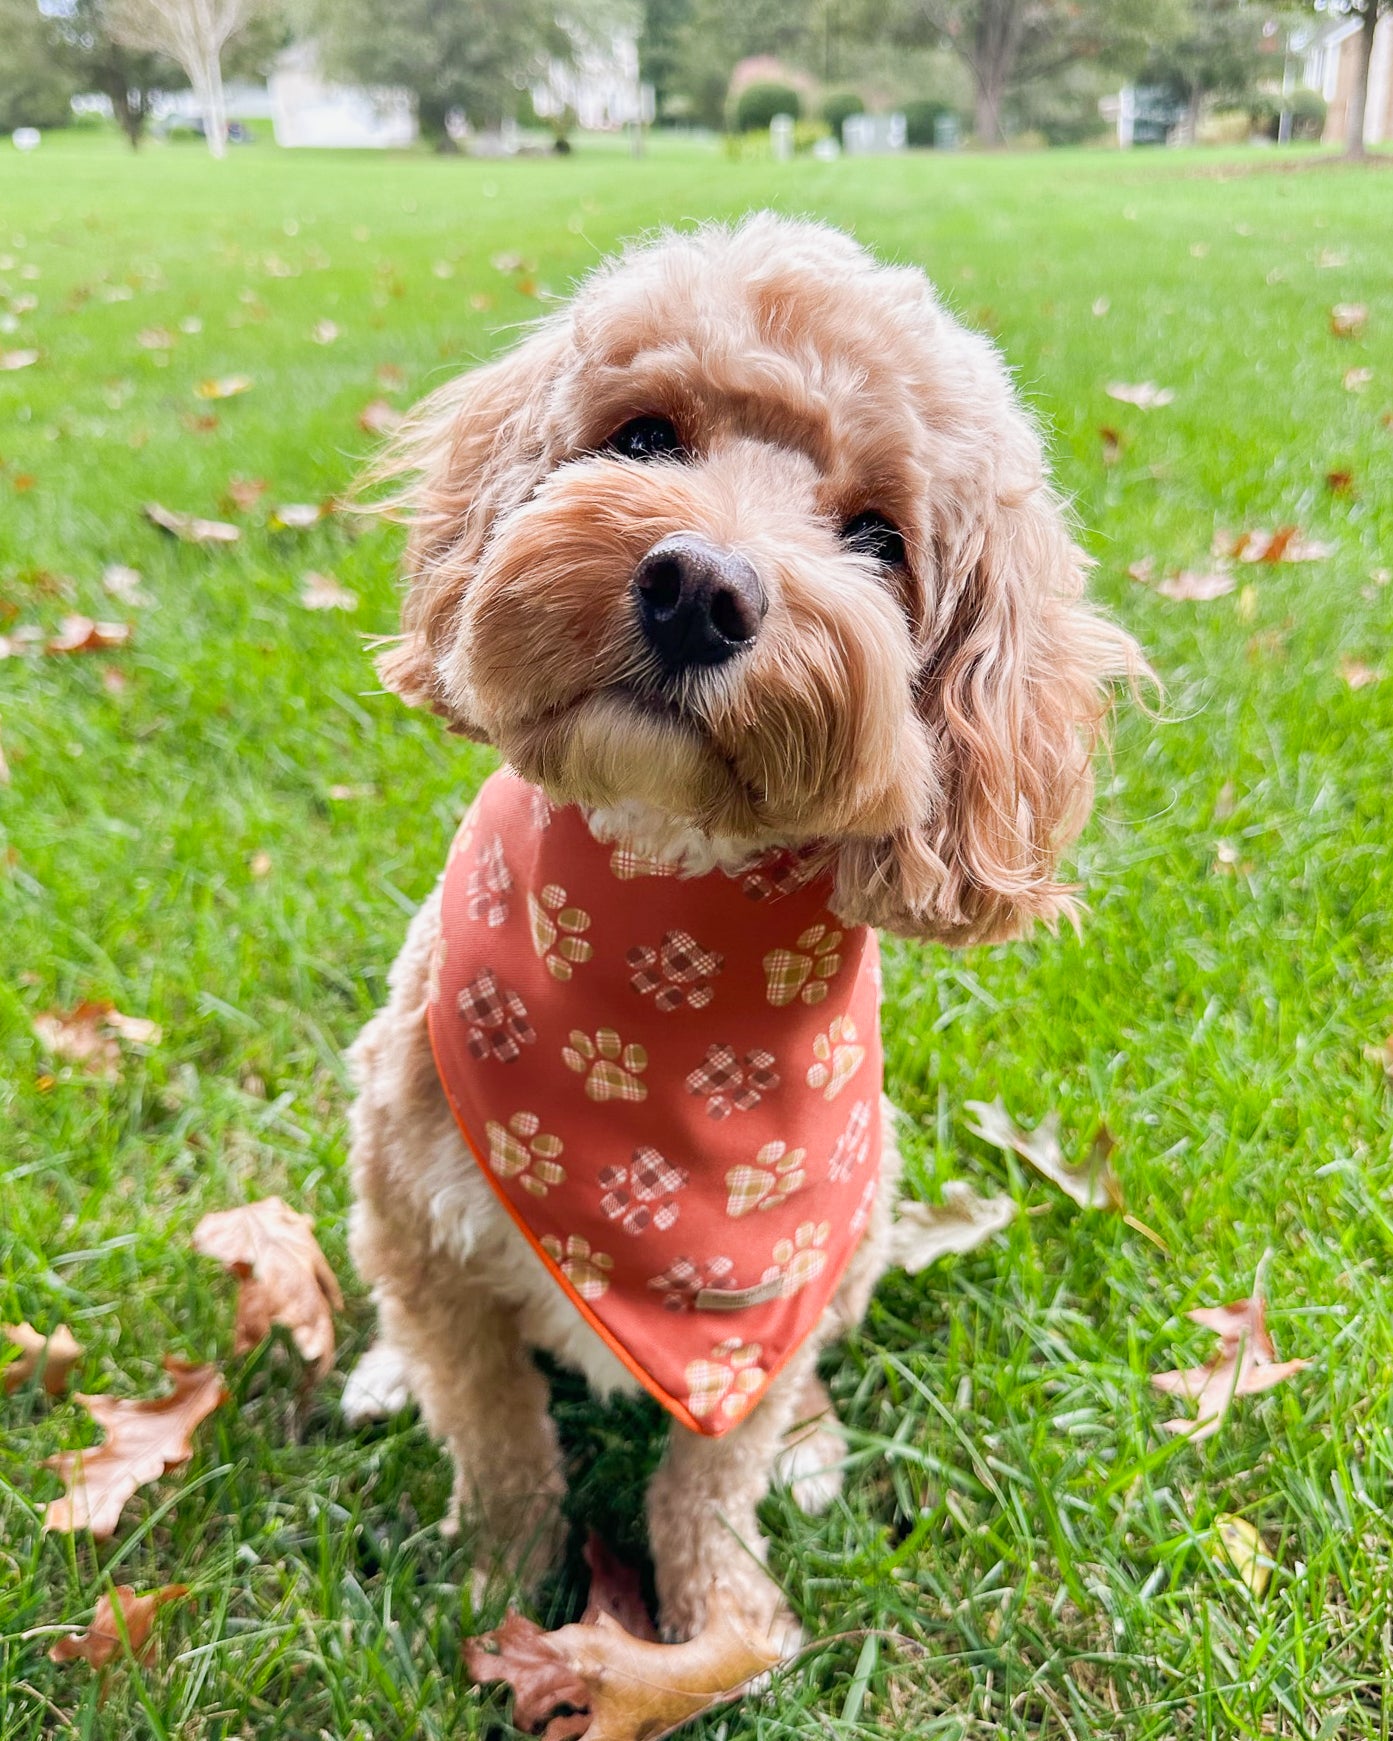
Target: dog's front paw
(377,1387)
(748,1594)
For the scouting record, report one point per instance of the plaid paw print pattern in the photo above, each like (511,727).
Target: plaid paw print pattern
(803,972)
(497,1024)
(727,1381)
(490,884)
(586,1270)
(778,1172)
(627,865)
(558,931)
(780,876)
(678,972)
(853,1145)
(836,1058)
(642,1195)
(686,1277)
(732,1083)
(611,1069)
(799,1260)
(522,1150)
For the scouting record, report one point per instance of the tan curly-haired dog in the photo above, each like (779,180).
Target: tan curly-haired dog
(748,549)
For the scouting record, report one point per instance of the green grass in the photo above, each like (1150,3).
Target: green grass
(1031,1550)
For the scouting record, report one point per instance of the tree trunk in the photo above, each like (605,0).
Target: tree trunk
(1359,97)
(209,92)
(987,115)
(130,116)
(1193,108)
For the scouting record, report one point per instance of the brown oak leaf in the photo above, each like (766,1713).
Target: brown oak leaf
(53,1355)
(189,527)
(1246,1362)
(145,1436)
(88,1035)
(82,635)
(103,1638)
(1094,1185)
(285,1278)
(923,1232)
(380,418)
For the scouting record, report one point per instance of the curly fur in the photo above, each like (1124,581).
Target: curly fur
(931,729)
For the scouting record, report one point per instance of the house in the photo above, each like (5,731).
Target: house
(307,109)
(1330,65)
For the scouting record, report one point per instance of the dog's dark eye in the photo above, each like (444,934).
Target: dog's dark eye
(872,535)
(646,438)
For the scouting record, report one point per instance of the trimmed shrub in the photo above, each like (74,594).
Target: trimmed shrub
(757,105)
(837,106)
(919,118)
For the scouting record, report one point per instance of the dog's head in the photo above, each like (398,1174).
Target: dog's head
(754,535)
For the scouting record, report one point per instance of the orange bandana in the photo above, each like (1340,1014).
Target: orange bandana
(672,1083)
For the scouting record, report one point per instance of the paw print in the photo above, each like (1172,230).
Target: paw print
(799,1260)
(611,1069)
(626,864)
(862,1213)
(731,1083)
(489,885)
(686,1277)
(837,1056)
(777,1173)
(541,808)
(558,931)
(853,1145)
(778,875)
(499,1026)
(641,1195)
(525,1152)
(679,970)
(729,1380)
(803,972)
(587,1271)
(434,968)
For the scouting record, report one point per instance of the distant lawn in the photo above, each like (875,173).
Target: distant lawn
(224,828)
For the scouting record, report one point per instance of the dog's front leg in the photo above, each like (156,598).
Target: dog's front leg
(707,1548)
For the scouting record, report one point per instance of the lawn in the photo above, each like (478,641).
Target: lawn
(224,826)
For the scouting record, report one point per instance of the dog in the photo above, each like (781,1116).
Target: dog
(747,563)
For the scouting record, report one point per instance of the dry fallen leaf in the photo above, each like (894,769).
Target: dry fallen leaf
(631,1688)
(123,584)
(103,1637)
(18,359)
(380,418)
(1244,1549)
(923,1232)
(285,1277)
(88,1034)
(155,338)
(83,635)
(1284,545)
(53,1355)
(1112,444)
(1197,585)
(1357,674)
(324,332)
(615,1589)
(144,1438)
(1246,1363)
(1094,1185)
(1340,481)
(322,592)
(245,493)
(1348,320)
(259,864)
(297,516)
(1382,1055)
(224,387)
(1142,570)
(1145,394)
(190,527)
(390,376)
(1356,380)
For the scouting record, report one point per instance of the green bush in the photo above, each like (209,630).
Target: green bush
(757,105)
(919,118)
(837,106)
(1307,114)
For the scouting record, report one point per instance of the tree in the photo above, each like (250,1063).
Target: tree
(1368,12)
(192,32)
(35,89)
(1217,52)
(660,47)
(471,55)
(719,34)
(1009,43)
(127,78)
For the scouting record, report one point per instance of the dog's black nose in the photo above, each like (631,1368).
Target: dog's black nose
(697,604)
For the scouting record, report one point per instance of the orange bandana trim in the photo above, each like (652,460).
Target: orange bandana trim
(672,1084)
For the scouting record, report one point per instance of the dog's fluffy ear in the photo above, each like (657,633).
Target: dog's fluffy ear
(1013,693)
(474,446)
